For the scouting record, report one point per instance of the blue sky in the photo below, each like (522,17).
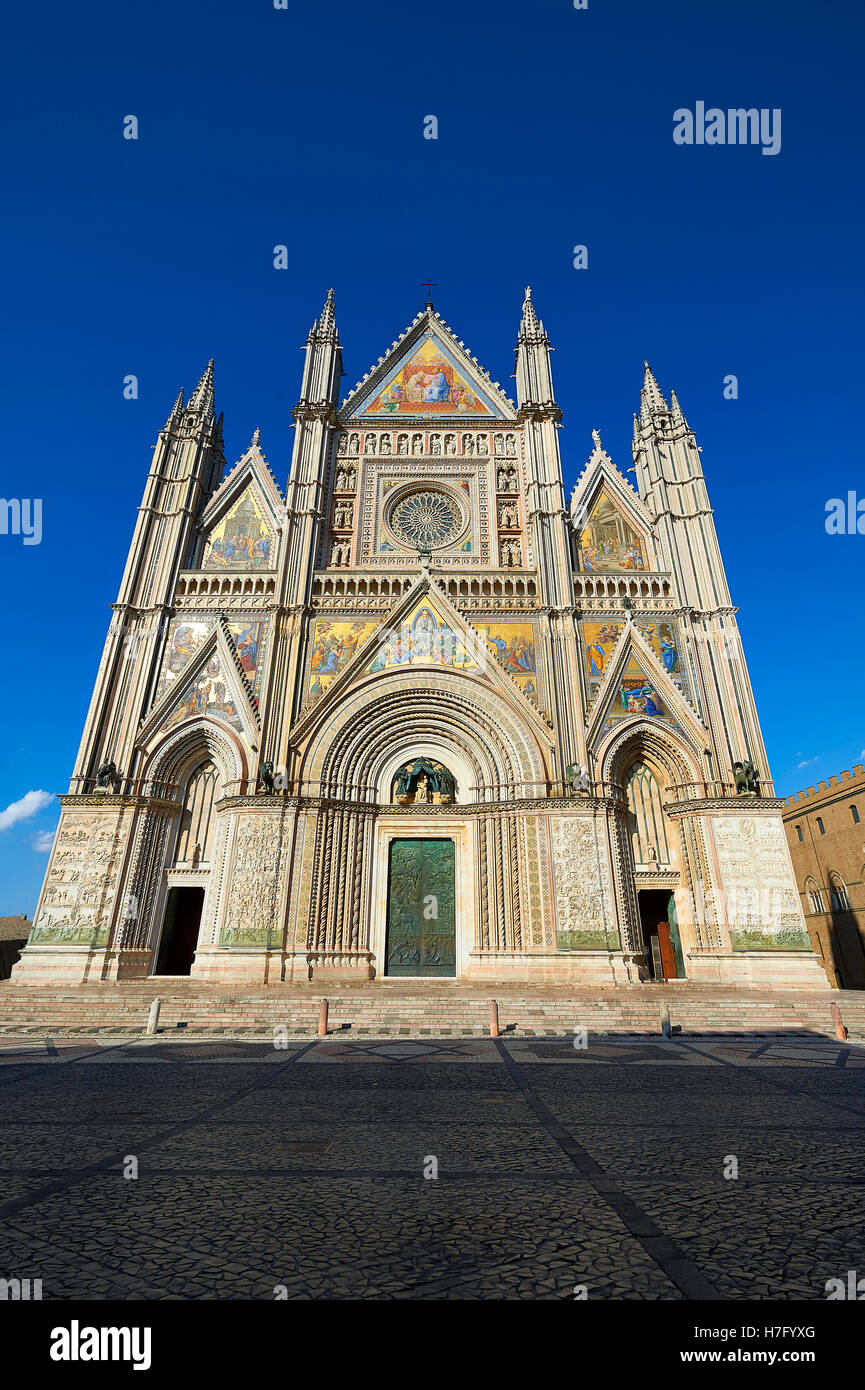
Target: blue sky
(303,127)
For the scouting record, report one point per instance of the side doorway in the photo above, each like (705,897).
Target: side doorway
(661,934)
(179,938)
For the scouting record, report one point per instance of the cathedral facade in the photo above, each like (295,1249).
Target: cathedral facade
(416,716)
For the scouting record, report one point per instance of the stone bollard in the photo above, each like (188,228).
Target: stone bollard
(494,1019)
(322,1019)
(152,1019)
(666,1029)
(840,1030)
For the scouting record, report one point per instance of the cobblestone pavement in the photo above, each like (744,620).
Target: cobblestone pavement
(302,1170)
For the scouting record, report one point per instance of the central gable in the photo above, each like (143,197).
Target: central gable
(425,637)
(428,380)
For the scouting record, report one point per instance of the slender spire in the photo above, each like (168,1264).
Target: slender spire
(532,367)
(201,399)
(176,410)
(637,437)
(531,330)
(530,318)
(327,322)
(651,397)
(676,410)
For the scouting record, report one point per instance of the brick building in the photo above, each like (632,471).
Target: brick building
(826,832)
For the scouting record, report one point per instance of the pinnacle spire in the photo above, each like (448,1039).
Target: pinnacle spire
(202,397)
(651,397)
(531,329)
(176,410)
(256,438)
(676,410)
(530,318)
(327,322)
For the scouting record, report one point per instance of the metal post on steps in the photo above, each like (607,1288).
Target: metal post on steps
(840,1030)
(153,1019)
(322,1019)
(494,1019)
(666,1029)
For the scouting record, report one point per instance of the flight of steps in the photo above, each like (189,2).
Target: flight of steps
(434,1009)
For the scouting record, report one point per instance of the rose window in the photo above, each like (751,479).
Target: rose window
(426,519)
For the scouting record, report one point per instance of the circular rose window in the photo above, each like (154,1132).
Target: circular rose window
(426,519)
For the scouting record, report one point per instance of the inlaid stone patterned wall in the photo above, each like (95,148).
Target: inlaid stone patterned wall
(81,885)
(585,906)
(762,904)
(541,927)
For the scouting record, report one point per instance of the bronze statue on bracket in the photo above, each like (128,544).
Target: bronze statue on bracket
(576,779)
(266,778)
(107,777)
(746,777)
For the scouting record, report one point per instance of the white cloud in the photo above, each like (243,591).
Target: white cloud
(42,841)
(30,803)
(808,762)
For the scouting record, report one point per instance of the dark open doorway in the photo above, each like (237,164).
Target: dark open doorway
(180,931)
(661,934)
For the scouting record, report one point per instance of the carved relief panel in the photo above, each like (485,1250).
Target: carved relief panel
(585,908)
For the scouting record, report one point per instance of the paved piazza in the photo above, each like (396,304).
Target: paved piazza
(304,1168)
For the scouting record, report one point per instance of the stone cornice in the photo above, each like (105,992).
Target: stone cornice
(109,801)
(315,410)
(534,410)
(515,805)
(710,805)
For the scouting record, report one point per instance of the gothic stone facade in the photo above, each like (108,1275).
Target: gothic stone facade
(416,715)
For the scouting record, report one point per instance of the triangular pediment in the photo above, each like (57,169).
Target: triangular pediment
(187,634)
(614,528)
(425,636)
(427,375)
(636,685)
(423,630)
(240,525)
(211,686)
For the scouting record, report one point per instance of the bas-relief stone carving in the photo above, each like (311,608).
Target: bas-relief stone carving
(82,881)
(762,903)
(585,911)
(254,888)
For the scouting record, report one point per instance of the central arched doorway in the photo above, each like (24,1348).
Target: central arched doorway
(421,907)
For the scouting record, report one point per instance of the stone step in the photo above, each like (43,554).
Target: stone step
(454,1009)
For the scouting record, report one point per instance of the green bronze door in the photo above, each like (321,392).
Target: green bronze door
(421,937)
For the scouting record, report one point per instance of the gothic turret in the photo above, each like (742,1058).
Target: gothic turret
(186,467)
(322,371)
(670,480)
(533,373)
